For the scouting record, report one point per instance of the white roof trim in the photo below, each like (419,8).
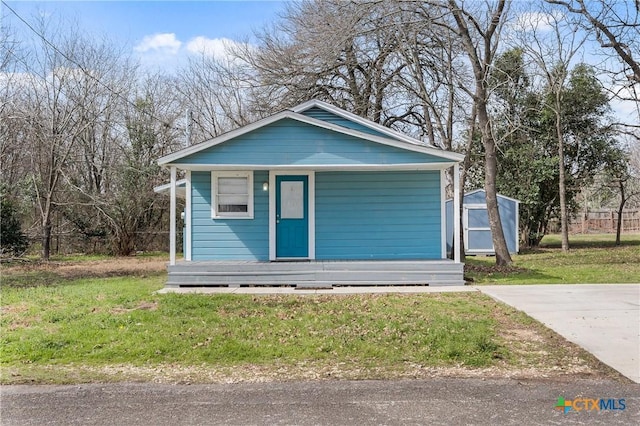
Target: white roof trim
(357,119)
(180,188)
(409,146)
(222,138)
(318,167)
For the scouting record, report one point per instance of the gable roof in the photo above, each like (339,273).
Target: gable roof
(314,103)
(395,139)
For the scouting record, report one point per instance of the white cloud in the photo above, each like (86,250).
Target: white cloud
(216,47)
(164,51)
(166,43)
(627,110)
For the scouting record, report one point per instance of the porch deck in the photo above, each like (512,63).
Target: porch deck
(315,274)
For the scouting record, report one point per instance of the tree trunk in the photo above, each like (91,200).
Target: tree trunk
(481,60)
(620,210)
(46,239)
(466,163)
(503,258)
(562,185)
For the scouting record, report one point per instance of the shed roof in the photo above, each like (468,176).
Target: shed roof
(497,195)
(475,191)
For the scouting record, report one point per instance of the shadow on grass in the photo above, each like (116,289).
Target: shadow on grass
(480,272)
(52,279)
(587,241)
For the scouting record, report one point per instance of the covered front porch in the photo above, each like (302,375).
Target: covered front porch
(316,274)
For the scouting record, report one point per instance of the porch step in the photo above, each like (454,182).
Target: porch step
(316,274)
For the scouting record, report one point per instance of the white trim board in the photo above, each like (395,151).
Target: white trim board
(316,167)
(443,213)
(187,217)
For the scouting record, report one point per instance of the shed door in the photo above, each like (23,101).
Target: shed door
(292,216)
(477,232)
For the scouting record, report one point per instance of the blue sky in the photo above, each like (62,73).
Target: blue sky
(162,34)
(159,33)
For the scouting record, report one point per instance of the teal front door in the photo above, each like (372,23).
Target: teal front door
(292,216)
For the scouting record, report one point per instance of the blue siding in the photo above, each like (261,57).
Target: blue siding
(478,197)
(228,239)
(320,114)
(508,214)
(292,142)
(368,215)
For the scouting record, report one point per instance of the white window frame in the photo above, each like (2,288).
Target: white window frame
(215,175)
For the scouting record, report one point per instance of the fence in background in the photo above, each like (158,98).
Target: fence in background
(602,222)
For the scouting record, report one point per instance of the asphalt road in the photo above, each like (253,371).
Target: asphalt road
(445,401)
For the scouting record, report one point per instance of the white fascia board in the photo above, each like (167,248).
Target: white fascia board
(473,192)
(180,188)
(317,167)
(508,198)
(424,149)
(167,159)
(357,119)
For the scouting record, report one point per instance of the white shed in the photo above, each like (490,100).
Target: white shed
(475,223)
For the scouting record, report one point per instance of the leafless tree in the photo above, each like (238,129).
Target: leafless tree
(434,82)
(217,92)
(335,51)
(616,27)
(624,177)
(479,29)
(50,114)
(552,45)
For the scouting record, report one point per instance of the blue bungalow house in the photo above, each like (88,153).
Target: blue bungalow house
(313,196)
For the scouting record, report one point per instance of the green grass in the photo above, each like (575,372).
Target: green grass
(591,259)
(57,328)
(121,321)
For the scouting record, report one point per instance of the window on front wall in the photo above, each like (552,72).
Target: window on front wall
(232,195)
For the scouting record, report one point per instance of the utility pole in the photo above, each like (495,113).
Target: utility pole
(187,128)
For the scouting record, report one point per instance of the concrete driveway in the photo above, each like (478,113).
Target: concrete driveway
(602,318)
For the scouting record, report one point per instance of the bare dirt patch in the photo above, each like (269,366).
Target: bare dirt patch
(45,273)
(308,371)
(143,306)
(537,351)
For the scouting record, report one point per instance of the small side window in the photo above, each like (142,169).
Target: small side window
(232,195)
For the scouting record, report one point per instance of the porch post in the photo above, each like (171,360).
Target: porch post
(172,219)
(456,213)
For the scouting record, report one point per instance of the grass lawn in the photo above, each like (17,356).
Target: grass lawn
(85,319)
(117,328)
(592,259)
